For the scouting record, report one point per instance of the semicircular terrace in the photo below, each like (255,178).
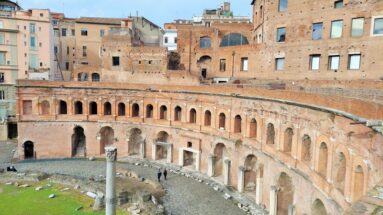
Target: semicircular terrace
(289,151)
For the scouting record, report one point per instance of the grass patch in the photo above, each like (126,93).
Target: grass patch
(21,201)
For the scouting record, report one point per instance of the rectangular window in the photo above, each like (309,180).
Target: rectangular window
(222,65)
(84,32)
(175,39)
(102,32)
(354,61)
(27,107)
(32,28)
(2,58)
(33,61)
(282,5)
(67,66)
(336,29)
(2,38)
(2,95)
(2,77)
(56,50)
(84,51)
(378,26)
(281,34)
(333,62)
(279,64)
(244,64)
(1,24)
(116,61)
(166,40)
(63,32)
(314,62)
(73,32)
(338,4)
(33,42)
(67,50)
(357,27)
(317,31)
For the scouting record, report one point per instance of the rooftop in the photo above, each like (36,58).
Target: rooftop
(99,20)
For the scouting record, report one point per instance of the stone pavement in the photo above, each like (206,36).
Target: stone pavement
(184,196)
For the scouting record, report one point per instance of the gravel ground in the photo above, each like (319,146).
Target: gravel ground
(184,196)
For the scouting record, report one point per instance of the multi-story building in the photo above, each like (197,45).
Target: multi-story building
(26,52)
(312,145)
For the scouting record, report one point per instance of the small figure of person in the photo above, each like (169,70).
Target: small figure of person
(159,173)
(165,173)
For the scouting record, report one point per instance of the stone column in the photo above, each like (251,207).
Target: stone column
(210,165)
(154,154)
(198,161)
(226,172)
(142,149)
(273,200)
(241,179)
(258,197)
(111,157)
(291,210)
(181,157)
(169,154)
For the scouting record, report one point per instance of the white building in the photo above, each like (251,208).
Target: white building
(170,39)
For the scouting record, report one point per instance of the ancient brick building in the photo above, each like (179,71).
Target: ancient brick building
(310,143)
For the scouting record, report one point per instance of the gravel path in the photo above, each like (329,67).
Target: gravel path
(184,196)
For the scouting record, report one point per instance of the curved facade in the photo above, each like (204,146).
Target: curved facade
(286,151)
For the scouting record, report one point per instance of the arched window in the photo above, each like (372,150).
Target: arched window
(237,124)
(318,208)
(45,108)
(358,183)
(82,76)
(270,134)
(306,149)
(92,108)
(163,112)
(78,108)
(234,39)
(323,157)
(135,110)
(222,121)
(149,111)
(288,140)
(340,171)
(253,128)
(204,42)
(207,118)
(63,107)
(107,109)
(177,113)
(95,77)
(121,109)
(193,116)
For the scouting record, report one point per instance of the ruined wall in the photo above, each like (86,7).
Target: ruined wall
(350,149)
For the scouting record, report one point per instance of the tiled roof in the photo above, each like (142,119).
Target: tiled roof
(99,20)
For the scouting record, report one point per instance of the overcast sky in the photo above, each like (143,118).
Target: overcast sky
(158,11)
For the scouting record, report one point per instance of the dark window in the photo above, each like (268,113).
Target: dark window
(177,114)
(93,108)
(234,39)
(205,42)
(84,32)
(338,4)
(67,66)
(116,61)
(63,32)
(95,77)
(317,31)
(281,34)
(121,109)
(166,39)
(107,109)
(84,51)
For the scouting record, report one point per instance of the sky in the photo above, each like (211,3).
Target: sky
(158,11)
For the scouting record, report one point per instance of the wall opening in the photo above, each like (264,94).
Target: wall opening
(288,140)
(45,108)
(322,160)
(340,171)
(63,107)
(163,112)
(318,208)
(193,116)
(250,173)
(222,121)
(219,153)
(207,118)
(270,134)
(121,109)
(237,124)
(78,108)
(93,108)
(135,110)
(136,141)
(285,195)
(149,111)
(106,138)
(107,109)
(306,149)
(78,142)
(178,113)
(29,151)
(253,128)
(358,183)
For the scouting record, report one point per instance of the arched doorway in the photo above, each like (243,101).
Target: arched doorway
(161,146)
(285,195)
(135,141)
(306,149)
(78,142)
(237,124)
(322,160)
(288,140)
(204,65)
(106,138)
(219,153)
(253,128)
(270,134)
(318,208)
(340,171)
(29,151)
(250,179)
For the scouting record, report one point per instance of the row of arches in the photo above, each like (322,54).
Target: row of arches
(82,76)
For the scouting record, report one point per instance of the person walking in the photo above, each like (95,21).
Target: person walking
(159,173)
(165,173)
